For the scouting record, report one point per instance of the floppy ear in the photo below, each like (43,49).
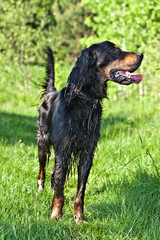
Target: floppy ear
(82,73)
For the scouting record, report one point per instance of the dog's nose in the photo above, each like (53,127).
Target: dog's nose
(140,55)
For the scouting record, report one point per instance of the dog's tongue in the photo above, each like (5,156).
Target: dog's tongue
(137,77)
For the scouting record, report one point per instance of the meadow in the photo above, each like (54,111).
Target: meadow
(122,198)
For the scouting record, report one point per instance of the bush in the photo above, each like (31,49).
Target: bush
(29,26)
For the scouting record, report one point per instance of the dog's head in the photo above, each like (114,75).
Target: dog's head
(117,65)
(100,63)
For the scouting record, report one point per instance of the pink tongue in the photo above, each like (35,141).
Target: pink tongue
(136,76)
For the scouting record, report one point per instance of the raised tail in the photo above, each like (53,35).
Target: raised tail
(48,84)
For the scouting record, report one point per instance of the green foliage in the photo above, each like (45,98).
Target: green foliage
(133,24)
(29,26)
(70,28)
(25,29)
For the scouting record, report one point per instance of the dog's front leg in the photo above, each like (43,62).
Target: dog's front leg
(84,167)
(60,170)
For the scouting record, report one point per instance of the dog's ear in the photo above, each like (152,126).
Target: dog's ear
(85,62)
(92,58)
(83,72)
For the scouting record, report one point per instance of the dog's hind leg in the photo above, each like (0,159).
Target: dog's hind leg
(60,171)
(85,164)
(43,152)
(43,146)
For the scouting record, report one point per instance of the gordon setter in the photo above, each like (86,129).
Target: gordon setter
(70,119)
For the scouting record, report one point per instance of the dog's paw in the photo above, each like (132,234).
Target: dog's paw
(56,214)
(79,220)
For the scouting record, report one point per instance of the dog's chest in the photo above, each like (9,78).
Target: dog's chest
(85,121)
(84,129)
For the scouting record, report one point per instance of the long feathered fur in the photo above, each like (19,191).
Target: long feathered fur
(84,77)
(48,84)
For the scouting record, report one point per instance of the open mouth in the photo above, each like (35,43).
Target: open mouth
(126,77)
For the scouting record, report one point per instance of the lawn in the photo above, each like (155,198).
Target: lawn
(122,198)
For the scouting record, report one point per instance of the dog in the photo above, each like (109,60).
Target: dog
(70,119)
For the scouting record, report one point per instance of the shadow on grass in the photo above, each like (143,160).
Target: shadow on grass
(115,124)
(135,205)
(16,127)
(113,120)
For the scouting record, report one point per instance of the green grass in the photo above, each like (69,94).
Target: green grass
(123,192)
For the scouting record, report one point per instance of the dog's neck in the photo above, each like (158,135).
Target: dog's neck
(92,90)
(84,97)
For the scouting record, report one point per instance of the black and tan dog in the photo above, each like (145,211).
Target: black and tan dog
(70,119)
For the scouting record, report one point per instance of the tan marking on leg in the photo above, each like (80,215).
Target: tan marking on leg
(41,175)
(57,207)
(78,210)
(78,207)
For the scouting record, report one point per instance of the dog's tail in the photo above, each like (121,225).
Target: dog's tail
(48,84)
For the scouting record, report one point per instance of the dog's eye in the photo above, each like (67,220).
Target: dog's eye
(114,51)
